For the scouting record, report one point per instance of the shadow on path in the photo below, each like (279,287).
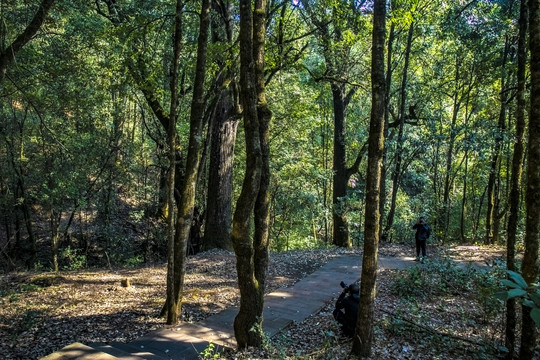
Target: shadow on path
(281,308)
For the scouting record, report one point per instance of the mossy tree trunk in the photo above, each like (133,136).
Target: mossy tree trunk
(186,203)
(252,255)
(172,305)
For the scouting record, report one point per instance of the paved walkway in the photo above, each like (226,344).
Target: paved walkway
(281,307)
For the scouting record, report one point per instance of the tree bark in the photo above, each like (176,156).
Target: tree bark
(172,305)
(388,85)
(217,232)
(186,205)
(339,191)
(252,257)
(364,326)
(264,115)
(218,221)
(529,332)
(517,173)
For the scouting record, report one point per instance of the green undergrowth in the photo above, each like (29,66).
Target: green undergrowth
(448,306)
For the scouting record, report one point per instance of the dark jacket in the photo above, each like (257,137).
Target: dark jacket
(346,313)
(422,231)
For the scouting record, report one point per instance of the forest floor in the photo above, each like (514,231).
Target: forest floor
(429,311)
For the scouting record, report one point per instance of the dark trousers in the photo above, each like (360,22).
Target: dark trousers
(421,245)
(347,325)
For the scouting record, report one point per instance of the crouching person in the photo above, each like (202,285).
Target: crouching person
(346,311)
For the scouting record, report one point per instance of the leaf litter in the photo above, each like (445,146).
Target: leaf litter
(43,312)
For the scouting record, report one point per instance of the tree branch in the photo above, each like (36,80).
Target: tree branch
(8,54)
(356,166)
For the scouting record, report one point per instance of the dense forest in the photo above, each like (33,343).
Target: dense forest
(136,132)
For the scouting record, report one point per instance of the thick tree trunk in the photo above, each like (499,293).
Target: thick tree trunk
(364,325)
(252,257)
(339,192)
(517,172)
(217,233)
(218,221)
(529,332)
(264,115)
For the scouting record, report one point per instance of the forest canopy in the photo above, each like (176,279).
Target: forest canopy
(136,132)
(84,144)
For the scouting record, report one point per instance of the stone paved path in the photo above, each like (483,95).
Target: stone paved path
(281,307)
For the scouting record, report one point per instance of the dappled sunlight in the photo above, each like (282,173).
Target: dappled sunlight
(280,295)
(47,311)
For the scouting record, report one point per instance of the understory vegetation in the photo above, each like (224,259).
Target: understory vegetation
(434,311)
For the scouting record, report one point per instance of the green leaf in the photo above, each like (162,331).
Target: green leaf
(516,293)
(501,295)
(510,284)
(518,279)
(535,315)
(536,298)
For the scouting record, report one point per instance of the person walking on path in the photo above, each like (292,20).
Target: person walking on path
(422,234)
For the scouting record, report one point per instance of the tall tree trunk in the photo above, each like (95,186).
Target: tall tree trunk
(450,155)
(463,236)
(328,38)
(339,191)
(217,232)
(396,175)
(468,114)
(251,257)
(264,115)
(529,332)
(368,287)
(492,190)
(186,204)
(517,172)
(388,85)
(172,303)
